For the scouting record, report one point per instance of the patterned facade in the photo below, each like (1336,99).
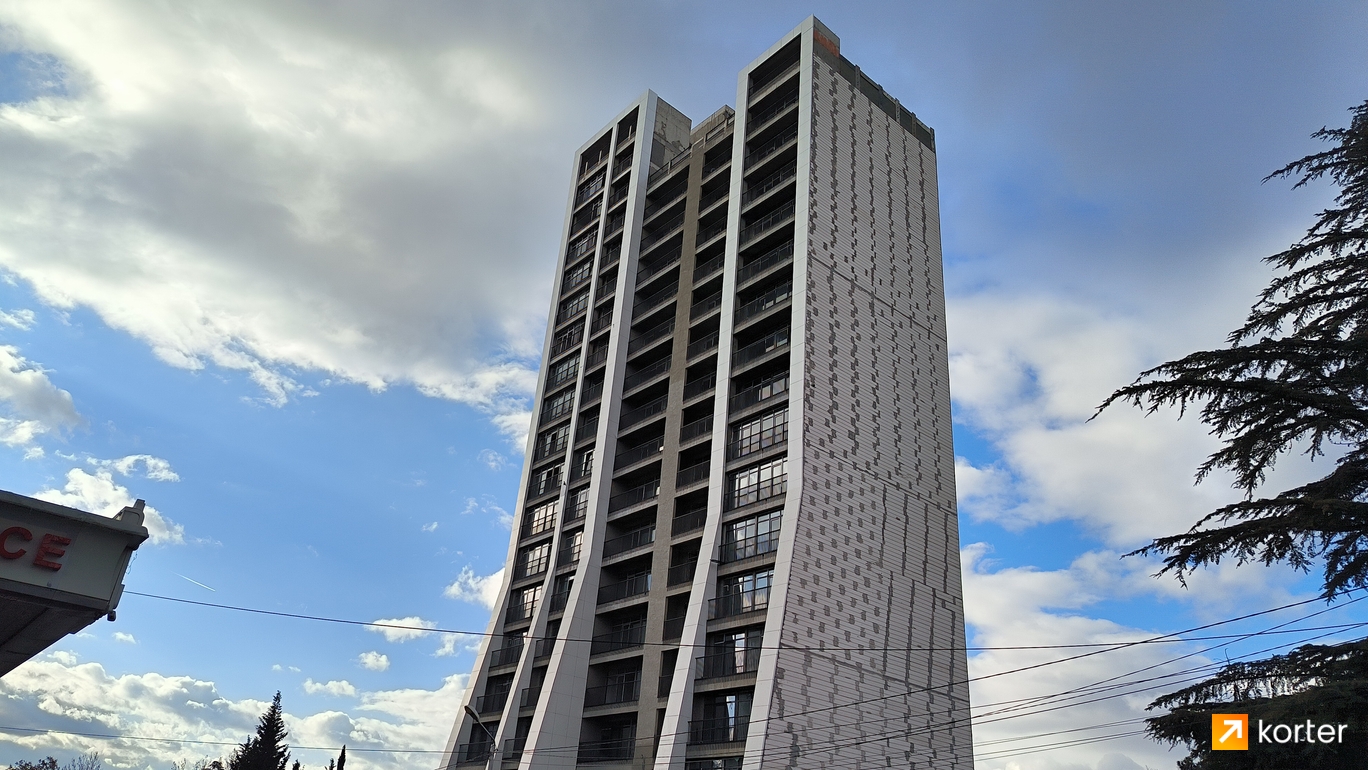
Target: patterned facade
(737,545)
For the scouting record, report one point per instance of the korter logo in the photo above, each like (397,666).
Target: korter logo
(1230,732)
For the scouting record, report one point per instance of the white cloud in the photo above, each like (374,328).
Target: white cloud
(98,493)
(36,406)
(339,688)
(492,460)
(430,527)
(154,468)
(373,661)
(412,627)
(120,636)
(22,320)
(487,505)
(60,692)
(476,589)
(279,193)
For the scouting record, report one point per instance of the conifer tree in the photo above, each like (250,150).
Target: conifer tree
(1295,375)
(267,749)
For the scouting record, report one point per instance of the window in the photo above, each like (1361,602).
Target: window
(759,482)
(579,273)
(750,536)
(760,433)
(733,652)
(522,603)
(563,371)
(570,551)
(560,594)
(546,481)
(578,505)
(583,246)
(725,717)
(572,307)
(553,441)
(541,518)
(559,405)
(533,560)
(584,463)
(742,593)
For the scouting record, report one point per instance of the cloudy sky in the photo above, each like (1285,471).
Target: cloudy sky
(282,270)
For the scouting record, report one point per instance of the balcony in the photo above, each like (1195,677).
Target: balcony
(765,224)
(471,753)
(642,413)
(775,256)
(653,300)
(660,265)
(513,748)
(674,628)
(692,475)
(705,344)
(707,234)
(636,585)
(597,752)
(543,648)
(578,277)
(760,304)
(772,182)
(695,429)
(709,268)
(720,730)
(638,538)
(508,655)
(618,195)
(761,347)
(588,428)
(662,231)
(634,496)
(611,694)
(680,574)
(768,149)
(739,603)
(528,698)
(492,703)
(758,119)
(688,522)
(643,339)
(625,638)
(520,612)
(640,452)
(728,664)
(603,318)
(596,356)
(641,377)
(705,305)
(559,599)
(759,394)
(705,384)
(720,194)
(746,547)
(669,168)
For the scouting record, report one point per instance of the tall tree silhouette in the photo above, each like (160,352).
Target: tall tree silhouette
(267,749)
(1295,375)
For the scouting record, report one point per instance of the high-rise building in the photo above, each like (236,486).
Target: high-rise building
(736,544)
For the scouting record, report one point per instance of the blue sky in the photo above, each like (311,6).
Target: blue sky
(283,271)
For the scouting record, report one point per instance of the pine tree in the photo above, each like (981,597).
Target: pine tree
(1296,374)
(342,759)
(267,749)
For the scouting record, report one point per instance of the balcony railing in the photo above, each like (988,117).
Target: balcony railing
(507,655)
(594,752)
(653,208)
(712,168)
(576,509)
(564,558)
(528,698)
(615,222)
(624,638)
(470,753)
(771,182)
(596,356)
(774,256)
(644,412)
(606,287)
(647,491)
(611,256)
(661,231)
(577,277)
(688,522)
(654,299)
(669,168)
(603,318)
(758,119)
(618,195)
(736,663)
(772,146)
(700,346)
(674,628)
(692,474)
(642,339)
(708,268)
(711,232)
(771,388)
(491,703)
(705,305)
(713,197)
(631,541)
(764,302)
(517,612)
(658,266)
(765,223)
(777,77)
(560,599)
(754,600)
(747,547)
(543,648)
(513,748)
(663,688)
(639,452)
(759,348)
(681,573)
(588,428)
(609,694)
(698,387)
(636,585)
(588,191)
(699,427)
(643,376)
(720,730)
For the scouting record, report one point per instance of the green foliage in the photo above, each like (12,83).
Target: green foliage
(267,749)
(1296,374)
(89,761)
